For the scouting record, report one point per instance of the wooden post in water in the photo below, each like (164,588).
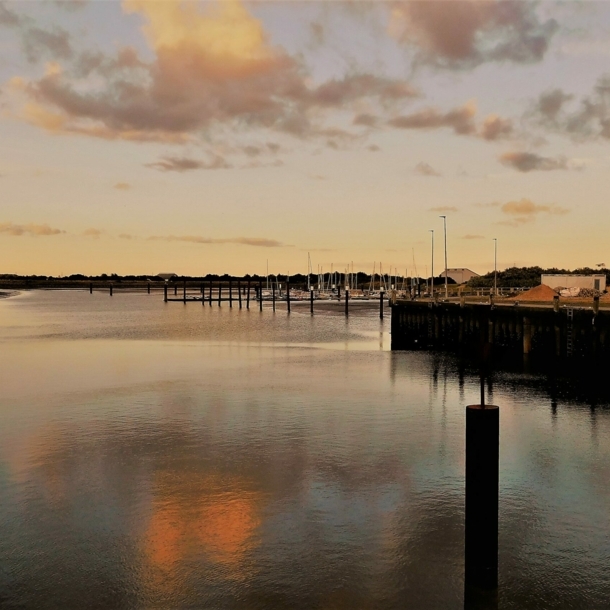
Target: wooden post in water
(482,489)
(202,294)
(288,293)
(90,287)
(346,302)
(148,287)
(273,294)
(527,335)
(248,296)
(175,290)
(110,289)
(184,291)
(165,292)
(230,293)
(210,295)
(381,304)
(239,292)
(311,301)
(260,295)
(219,293)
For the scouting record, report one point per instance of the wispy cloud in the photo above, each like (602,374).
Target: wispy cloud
(470,236)
(92,232)
(185,164)
(425,169)
(35,230)
(122,186)
(525,211)
(529,162)
(262,242)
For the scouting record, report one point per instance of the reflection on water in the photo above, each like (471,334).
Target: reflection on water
(156,456)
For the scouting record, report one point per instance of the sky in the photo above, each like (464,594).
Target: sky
(148,136)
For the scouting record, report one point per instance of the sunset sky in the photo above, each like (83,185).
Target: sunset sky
(204,137)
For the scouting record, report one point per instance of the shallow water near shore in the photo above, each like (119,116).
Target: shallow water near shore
(176,456)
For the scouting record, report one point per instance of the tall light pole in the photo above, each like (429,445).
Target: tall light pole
(446,277)
(432,268)
(495,266)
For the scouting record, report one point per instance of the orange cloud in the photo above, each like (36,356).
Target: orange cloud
(425,169)
(34,230)
(122,186)
(245,241)
(527,162)
(525,210)
(91,232)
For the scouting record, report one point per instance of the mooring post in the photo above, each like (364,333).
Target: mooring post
(239,292)
(90,287)
(248,296)
(288,294)
(202,294)
(311,300)
(219,293)
(110,289)
(346,302)
(175,290)
(148,287)
(165,292)
(527,335)
(338,292)
(482,489)
(260,295)
(210,295)
(273,295)
(184,291)
(381,304)
(230,293)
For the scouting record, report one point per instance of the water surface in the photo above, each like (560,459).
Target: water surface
(178,456)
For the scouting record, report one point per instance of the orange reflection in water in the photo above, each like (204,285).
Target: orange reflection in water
(195,514)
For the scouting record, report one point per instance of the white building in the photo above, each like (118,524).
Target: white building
(570,280)
(459,275)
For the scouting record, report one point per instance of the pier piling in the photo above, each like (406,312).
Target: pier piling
(482,488)
(219,293)
(239,292)
(148,286)
(165,292)
(175,290)
(260,295)
(230,293)
(288,295)
(110,289)
(248,296)
(210,295)
(311,301)
(273,295)
(90,287)
(381,304)
(184,291)
(346,302)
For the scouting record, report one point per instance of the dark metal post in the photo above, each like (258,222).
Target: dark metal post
(482,488)
(219,293)
(311,301)
(338,292)
(175,290)
(288,294)
(273,295)
(248,296)
(210,295)
(90,287)
(239,292)
(346,302)
(230,293)
(110,289)
(202,294)
(165,292)
(184,291)
(381,304)
(260,295)
(148,287)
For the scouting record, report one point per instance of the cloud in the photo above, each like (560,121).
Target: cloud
(125,236)
(496,128)
(373,148)
(525,210)
(8,18)
(212,66)
(527,162)
(122,186)
(462,34)
(366,120)
(588,120)
(444,208)
(93,233)
(460,119)
(38,43)
(35,230)
(245,241)
(470,236)
(184,164)
(424,169)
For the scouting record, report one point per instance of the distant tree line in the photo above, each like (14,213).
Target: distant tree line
(526,277)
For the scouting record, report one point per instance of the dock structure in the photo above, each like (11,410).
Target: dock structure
(539,330)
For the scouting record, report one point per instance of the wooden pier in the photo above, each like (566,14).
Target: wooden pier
(539,330)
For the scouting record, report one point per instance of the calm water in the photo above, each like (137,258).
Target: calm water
(166,456)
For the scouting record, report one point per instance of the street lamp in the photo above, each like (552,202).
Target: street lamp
(446,276)
(432,268)
(495,266)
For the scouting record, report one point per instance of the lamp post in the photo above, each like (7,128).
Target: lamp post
(495,266)
(446,277)
(432,267)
